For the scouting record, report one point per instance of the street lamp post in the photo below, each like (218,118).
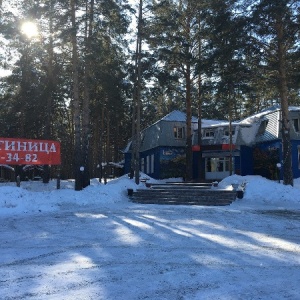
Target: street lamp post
(278,165)
(99,172)
(82,176)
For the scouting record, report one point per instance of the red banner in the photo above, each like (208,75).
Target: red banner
(29,152)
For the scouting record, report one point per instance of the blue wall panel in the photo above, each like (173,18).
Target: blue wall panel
(169,161)
(296,158)
(246,160)
(127,162)
(172,162)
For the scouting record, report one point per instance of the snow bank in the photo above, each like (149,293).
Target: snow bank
(36,197)
(261,191)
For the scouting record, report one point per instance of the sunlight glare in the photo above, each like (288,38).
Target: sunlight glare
(29,29)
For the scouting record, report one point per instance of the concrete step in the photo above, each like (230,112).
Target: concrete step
(183,195)
(180,185)
(179,202)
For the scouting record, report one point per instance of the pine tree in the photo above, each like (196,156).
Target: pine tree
(174,36)
(276,28)
(46,92)
(226,52)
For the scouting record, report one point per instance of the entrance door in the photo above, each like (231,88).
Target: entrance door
(216,167)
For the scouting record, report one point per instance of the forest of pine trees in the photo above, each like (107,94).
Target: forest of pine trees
(81,79)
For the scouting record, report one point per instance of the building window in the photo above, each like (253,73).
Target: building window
(143,165)
(148,164)
(179,132)
(152,163)
(209,133)
(217,164)
(296,124)
(263,126)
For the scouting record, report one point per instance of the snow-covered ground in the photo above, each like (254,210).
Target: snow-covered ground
(96,244)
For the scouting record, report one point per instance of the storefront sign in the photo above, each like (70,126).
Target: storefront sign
(228,147)
(29,152)
(196,148)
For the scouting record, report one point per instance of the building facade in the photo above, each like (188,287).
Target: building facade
(248,147)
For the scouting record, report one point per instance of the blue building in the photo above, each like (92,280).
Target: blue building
(162,152)
(248,147)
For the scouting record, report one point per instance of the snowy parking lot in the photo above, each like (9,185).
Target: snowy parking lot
(116,249)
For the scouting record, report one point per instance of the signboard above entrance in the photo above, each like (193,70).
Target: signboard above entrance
(29,152)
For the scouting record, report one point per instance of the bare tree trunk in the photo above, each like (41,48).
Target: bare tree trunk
(135,159)
(49,95)
(102,156)
(201,170)
(86,99)
(76,101)
(108,152)
(283,90)
(189,153)
(230,134)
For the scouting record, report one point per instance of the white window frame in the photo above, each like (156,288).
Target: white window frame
(217,162)
(297,123)
(179,132)
(143,165)
(148,164)
(263,126)
(152,164)
(208,133)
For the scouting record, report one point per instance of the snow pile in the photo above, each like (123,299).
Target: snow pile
(35,197)
(261,191)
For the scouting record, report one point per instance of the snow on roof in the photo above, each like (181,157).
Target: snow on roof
(254,118)
(127,148)
(291,108)
(213,123)
(177,116)
(249,120)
